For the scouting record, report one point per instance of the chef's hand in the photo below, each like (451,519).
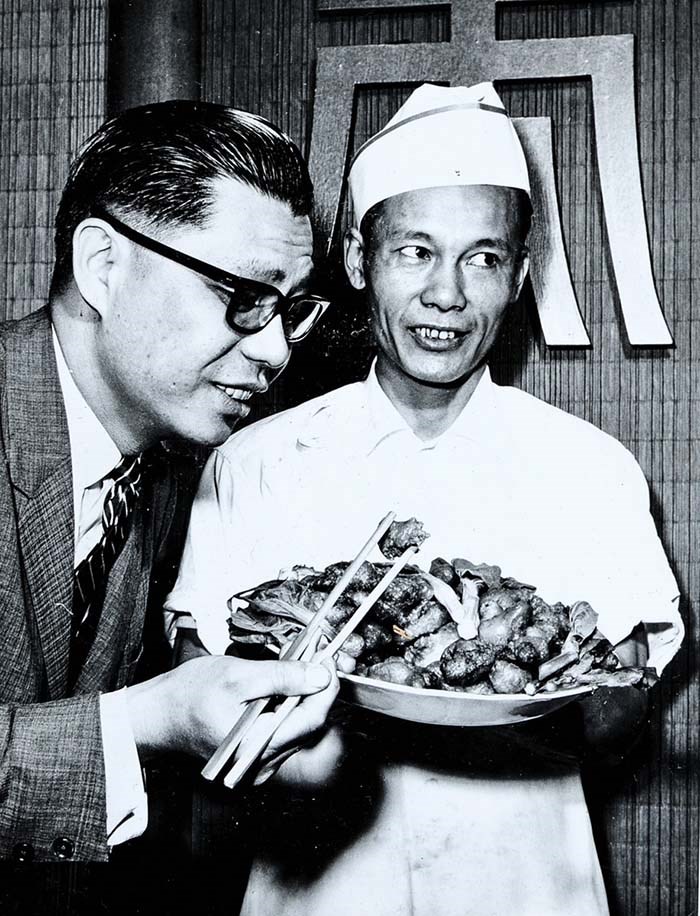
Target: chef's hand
(193,707)
(614,718)
(310,767)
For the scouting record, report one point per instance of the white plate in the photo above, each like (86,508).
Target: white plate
(442,707)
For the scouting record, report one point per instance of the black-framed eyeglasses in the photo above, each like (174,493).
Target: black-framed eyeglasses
(252,305)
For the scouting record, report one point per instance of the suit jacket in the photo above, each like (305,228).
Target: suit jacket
(52,784)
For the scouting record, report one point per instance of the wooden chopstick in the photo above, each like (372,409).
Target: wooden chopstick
(294,652)
(304,637)
(363,610)
(242,765)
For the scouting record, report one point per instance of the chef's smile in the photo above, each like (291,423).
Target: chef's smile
(437,339)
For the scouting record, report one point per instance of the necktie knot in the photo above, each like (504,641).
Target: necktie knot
(122,496)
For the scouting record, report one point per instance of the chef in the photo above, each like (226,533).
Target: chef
(418,819)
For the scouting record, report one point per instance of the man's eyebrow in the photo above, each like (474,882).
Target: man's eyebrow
(503,244)
(408,233)
(264,272)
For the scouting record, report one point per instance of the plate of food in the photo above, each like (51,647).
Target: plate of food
(458,643)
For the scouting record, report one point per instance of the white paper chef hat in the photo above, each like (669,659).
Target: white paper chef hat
(440,136)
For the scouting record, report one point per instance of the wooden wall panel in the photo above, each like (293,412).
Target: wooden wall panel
(646,399)
(52,60)
(647,813)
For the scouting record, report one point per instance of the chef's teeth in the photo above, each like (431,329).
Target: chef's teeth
(434,334)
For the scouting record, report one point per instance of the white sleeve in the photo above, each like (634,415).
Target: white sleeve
(216,552)
(640,579)
(127,803)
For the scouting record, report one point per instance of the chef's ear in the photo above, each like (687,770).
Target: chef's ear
(520,273)
(98,252)
(354,247)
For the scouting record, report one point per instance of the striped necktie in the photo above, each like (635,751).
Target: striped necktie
(90,578)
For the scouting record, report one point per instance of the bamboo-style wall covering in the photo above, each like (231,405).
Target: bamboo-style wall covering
(52,60)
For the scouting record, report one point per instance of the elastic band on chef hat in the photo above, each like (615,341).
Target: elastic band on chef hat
(441,136)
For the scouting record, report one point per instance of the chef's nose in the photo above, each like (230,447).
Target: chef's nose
(444,287)
(267,346)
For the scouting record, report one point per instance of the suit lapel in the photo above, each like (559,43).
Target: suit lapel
(40,468)
(118,635)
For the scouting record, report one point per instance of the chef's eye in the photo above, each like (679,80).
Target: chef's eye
(414,252)
(484,259)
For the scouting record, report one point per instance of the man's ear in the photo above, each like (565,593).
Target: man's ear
(520,274)
(355,258)
(96,250)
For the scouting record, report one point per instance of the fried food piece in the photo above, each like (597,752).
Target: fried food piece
(489,607)
(364,579)
(505,677)
(432,675)
(497,600)
(427,650)
(466,661)
(354,645)
(527,650)
(552,620)
(499,630)
(403,595)
(396,671)
(441,569)
(341,611)
(483,688)
(401,536)
(378,638)
(427,618)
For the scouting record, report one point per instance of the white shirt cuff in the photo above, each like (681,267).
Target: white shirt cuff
(127,802)
(177,620)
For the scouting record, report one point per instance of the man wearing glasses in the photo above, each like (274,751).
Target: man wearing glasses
(183,259)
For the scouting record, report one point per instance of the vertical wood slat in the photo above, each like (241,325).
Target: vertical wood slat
(52,59)
(648,400)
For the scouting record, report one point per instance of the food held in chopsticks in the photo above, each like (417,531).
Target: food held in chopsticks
(402,535)
(459,627)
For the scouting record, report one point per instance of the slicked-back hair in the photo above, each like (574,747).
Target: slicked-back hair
(156,164)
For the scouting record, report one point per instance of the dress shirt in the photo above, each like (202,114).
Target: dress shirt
(556,503)
(93,456)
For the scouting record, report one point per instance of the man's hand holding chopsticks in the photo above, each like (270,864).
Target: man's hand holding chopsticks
(190,709)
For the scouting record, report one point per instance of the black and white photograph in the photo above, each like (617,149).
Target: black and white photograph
(350,439)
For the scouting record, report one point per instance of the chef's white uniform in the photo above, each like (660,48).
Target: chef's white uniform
(430,821)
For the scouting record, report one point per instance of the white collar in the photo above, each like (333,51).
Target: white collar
(93,453)
(374,418)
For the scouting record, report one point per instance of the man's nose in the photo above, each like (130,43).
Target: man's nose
(444,288)
(268,346)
